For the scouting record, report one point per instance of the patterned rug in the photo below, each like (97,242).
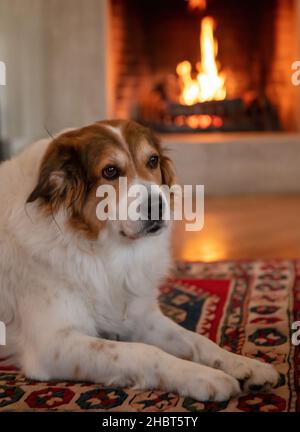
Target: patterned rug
(246,307)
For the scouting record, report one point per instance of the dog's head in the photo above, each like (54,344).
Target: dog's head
(77,162)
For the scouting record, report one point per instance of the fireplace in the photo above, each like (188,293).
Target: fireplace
(165,55)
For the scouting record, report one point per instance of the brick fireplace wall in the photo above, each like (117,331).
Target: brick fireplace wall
(287,49)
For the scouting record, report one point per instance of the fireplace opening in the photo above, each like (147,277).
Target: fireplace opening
(205,65)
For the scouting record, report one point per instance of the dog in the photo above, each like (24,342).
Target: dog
(78,295)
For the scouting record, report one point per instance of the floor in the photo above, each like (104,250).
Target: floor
(257,227)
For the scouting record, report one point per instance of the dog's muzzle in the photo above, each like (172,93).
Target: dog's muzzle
(155,213)
(152,211)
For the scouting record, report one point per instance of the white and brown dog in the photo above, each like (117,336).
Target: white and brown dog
(70,285)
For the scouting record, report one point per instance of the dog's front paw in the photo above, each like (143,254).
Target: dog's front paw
(252,374)
(210,385)
(219,387)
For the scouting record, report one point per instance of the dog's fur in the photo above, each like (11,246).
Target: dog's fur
(78,295)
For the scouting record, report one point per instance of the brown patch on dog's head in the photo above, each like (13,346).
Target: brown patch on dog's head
(142,144)
(71,169)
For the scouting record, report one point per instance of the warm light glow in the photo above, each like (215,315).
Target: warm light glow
(193,249)
(197,4)
(217,121)
(199,121)
(209,84)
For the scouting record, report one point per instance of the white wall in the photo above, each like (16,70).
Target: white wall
(54,52)
(21,48)
(75,63)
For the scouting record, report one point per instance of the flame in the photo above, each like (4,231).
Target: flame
(209,84)
(197,4)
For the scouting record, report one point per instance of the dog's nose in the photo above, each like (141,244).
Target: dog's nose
(155,207)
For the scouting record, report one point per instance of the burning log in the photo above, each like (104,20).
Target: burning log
(226,115)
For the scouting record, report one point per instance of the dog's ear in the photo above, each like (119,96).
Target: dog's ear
(62,178)
(167,171)
(166,165)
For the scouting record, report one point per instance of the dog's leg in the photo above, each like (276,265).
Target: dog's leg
(69,355)
(156,329)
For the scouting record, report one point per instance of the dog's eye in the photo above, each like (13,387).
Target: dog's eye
(153,161)
(110,172)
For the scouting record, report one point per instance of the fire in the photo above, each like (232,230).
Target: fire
(209,84)
(197,4)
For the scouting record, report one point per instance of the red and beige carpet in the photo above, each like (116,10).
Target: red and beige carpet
(246,307)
